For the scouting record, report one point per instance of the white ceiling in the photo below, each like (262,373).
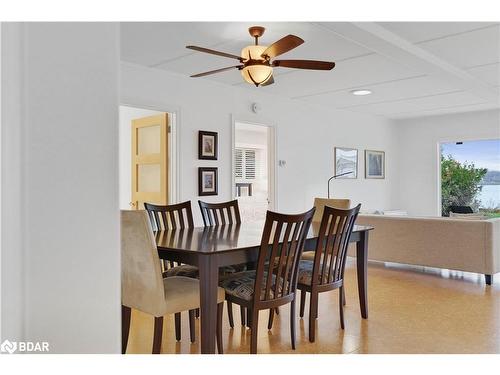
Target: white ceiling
(413,68)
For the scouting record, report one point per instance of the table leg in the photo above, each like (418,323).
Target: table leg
(362,265)
(209,276)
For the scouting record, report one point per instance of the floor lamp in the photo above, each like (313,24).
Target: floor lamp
(337,175)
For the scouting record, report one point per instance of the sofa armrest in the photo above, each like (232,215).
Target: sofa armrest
(492,256)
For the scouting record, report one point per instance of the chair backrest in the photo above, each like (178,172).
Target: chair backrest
(174,216)
(220,213)
(142,281)
(281,247)
(461,209)
(320,204)
(333,241)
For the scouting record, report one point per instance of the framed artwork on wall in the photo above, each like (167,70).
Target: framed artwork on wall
(207,145)
(346,161)
(207,181)
(374,164)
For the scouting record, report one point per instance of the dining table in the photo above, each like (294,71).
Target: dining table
(210,248)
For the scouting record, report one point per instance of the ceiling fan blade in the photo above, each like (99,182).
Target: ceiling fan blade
(214,52)
(216,71)
(283,45)
(304,64)
(270,81)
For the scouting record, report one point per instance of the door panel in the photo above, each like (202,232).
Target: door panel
(149,161)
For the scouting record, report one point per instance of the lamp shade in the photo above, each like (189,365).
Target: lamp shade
(253,52)
(259,73)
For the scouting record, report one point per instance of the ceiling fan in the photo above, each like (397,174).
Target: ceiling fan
(255,60)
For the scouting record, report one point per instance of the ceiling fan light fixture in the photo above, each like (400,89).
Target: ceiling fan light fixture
(256,74)
(253,52)
(255,60)
(256,70)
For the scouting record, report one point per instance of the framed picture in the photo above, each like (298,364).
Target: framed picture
(207,145)
(346,161)
(207,181)
(374,164)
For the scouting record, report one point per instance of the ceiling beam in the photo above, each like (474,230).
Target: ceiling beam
(384,42)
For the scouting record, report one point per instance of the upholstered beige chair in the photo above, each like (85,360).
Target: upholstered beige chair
(144,288)
(319,204)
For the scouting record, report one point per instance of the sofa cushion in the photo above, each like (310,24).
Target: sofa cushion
(476,216)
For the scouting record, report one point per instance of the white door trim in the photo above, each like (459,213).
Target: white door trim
(272,152)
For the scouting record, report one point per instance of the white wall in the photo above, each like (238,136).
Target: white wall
(306,136)
(418,154)
(0,182)
(127,114)
(12,256)
(68,197)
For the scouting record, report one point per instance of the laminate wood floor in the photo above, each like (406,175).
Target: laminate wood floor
(411,310)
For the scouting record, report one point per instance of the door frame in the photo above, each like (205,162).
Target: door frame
(174,185)
(271,152)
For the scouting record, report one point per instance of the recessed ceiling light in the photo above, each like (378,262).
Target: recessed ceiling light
(361,92)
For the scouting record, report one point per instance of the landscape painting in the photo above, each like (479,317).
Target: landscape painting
(207,181)
(346,162)
(374,164)
(207,145)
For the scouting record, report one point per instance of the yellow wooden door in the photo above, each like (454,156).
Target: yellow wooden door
(149,161)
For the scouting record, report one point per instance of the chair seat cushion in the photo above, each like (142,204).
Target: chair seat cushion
(183,293)
(193,272)
(185,270)
(241,284)
(306,270)
(308,255)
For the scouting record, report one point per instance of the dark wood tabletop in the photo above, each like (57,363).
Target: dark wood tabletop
(209,248)
(224,238)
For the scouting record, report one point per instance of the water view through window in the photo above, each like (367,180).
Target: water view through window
(470,175)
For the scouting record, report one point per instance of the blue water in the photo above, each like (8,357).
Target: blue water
(490,196)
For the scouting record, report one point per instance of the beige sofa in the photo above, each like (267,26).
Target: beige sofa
(456,244)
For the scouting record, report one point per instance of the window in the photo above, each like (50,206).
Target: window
(245,163)
(470,176)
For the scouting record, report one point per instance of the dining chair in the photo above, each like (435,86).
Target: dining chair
(143,286)
(326,271)
(175,216)
(220,213)
(225,213)
(274,282)
(320,204)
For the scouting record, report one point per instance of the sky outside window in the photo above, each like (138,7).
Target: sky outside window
(484,154)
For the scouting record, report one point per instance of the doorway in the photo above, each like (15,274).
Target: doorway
(147,157)
(253,169)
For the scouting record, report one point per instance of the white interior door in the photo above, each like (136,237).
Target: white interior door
(149,160)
